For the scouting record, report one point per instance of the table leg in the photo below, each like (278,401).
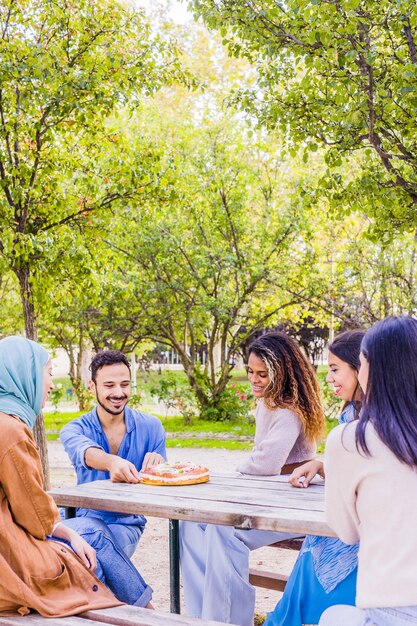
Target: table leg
(174,564)
(69,512)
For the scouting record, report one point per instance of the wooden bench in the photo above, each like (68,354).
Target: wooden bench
(274,580)
(118,616)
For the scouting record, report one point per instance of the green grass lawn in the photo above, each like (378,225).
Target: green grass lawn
(54,421)
(146,380)
(209,443)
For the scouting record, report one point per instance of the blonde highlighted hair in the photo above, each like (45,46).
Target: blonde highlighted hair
(292,380)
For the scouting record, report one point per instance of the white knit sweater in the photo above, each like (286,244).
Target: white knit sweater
(374,500)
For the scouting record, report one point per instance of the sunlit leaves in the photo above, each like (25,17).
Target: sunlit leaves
(67,69)
(342,74)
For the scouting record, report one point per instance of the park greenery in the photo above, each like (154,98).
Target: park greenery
(190,186)
(338,73)
(180,419)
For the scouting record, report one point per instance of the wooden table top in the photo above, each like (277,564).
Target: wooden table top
(266,503)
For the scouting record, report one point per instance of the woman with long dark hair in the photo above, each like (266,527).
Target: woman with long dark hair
(371,485)
(326,569)
(289,417)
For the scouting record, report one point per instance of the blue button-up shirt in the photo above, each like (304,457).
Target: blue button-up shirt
(144,433)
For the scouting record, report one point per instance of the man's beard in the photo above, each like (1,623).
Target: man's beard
(112,411)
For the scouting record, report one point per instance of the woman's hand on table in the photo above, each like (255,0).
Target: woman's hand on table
(303,475)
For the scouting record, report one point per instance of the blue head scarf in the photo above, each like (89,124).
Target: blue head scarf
(21,378)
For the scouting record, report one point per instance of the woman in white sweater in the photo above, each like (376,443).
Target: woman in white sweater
(371,481)
(289,418)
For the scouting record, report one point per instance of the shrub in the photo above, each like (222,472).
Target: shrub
(332,404)
(233,404)
(175,394)
(56,395)
(86,398)
(135,400)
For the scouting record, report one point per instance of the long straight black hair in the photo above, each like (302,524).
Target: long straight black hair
(390,402)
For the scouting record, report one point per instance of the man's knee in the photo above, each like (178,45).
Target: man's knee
(89,528)
(126,537)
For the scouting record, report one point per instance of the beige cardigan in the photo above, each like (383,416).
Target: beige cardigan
(374,500)
(279,439)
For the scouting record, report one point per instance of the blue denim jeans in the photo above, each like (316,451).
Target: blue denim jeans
(342,615)
(127,536)
(215,570)
(126,530)
(114,569)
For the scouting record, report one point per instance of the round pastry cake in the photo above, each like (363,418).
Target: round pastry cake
(179,473)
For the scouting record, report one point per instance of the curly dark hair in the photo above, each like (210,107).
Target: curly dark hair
(107,357)
(293,383)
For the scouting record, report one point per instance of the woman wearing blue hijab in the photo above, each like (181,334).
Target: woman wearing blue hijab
(25,378)
(44,565)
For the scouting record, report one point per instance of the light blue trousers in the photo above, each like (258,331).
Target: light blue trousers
(114,569)
(215,570)
(343,615)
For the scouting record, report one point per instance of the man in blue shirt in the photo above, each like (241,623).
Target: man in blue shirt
(113,441)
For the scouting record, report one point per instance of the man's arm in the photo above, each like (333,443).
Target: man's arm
(85,452)
(158,447)
(120,470)
(76,443)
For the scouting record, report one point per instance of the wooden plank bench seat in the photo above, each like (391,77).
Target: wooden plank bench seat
(274,580)
(118,616)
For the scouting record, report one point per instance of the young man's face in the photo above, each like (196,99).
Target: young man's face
(112,387)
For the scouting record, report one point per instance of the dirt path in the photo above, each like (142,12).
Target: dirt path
(151,557)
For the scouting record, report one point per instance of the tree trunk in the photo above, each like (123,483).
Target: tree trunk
(23,275)
(39,434)
(190,370)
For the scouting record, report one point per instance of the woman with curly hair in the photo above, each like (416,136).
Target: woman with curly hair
(289,418)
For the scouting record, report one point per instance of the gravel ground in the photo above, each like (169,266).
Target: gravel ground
(151,557)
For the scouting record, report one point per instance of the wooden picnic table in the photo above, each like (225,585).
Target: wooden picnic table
(242,501)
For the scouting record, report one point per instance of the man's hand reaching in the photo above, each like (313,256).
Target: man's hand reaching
(151,458)
(122,471)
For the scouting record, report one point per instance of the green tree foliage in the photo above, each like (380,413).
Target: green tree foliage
(11,317)
(65,67)
(338,73)
(358,279)
(373,279)
(74,315)
(208,261)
